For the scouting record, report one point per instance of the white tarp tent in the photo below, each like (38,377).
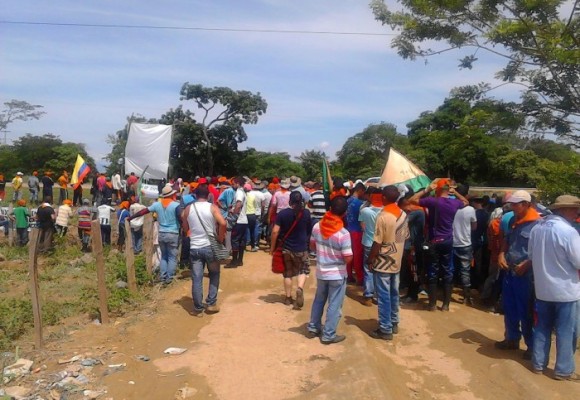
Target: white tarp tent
(148,145)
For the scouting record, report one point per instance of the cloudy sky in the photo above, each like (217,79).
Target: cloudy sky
(320,88)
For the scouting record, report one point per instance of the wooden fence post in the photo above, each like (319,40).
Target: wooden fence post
(130,259)
(11,225)
(148,241)
(34,288)
(101,279)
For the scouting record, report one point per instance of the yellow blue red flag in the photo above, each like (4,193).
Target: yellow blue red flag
(80,171)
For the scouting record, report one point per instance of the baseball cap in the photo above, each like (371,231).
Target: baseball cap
(518,196)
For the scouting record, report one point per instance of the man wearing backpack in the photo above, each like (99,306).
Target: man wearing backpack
(167,210)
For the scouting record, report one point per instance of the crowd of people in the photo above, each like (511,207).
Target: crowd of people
(522,258)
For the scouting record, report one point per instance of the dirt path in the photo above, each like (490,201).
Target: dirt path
(255,348)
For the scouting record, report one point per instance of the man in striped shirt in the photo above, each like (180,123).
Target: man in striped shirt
(333,252)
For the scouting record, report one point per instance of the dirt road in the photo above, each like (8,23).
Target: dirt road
(255,348)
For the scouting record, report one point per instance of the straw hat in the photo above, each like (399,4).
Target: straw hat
(285,184)
(295,181)
(167,191)
(566,201)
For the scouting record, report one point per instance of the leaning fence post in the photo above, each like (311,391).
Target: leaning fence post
(34,288)
(148,242)
(101,279)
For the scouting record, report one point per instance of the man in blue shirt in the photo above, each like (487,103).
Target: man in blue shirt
(554,249)
(167,210)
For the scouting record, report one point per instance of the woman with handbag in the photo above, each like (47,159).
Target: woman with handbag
(294,225)
(200,219)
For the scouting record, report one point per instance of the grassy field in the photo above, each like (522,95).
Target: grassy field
(68,286)
(26,195)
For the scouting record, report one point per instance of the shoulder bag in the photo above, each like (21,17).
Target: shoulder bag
(219,250)
(277,256)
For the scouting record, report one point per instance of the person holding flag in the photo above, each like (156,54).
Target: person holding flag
(80,171)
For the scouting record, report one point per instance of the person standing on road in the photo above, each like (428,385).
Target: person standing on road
(513,258)
(442,209)
(355,269)
(554,249)
(464,223)
(200,220)
(295,225)
(239,229)
(33,187)
(368,218)
(333,252)
(384,261)
(167,210)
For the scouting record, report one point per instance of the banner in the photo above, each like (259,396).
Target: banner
(148,145)
(400,170)
(80,171)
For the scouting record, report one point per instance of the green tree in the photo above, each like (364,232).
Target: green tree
(311,161)
(33,151)
(18,110)
(364,154)
(268,165)
(64,157)
(224,112)
(538,42)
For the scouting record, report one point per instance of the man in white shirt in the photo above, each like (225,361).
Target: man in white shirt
(554,248)
(464,223)
(104,217)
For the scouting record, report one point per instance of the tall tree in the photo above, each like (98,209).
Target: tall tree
(311,161)
(268,165)
(225,111)
(537,39)
(365,154)
(18,110)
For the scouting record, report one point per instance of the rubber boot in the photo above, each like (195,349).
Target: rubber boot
(234,262)
(446,296)
(240,261)
(432,297)
(467,296)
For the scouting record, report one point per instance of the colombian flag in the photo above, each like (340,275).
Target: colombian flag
(80,172)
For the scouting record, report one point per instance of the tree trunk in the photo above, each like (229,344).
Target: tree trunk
(209,152)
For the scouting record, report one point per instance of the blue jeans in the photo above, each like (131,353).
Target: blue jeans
(199,258)
(440,259)
(369,277)
(387,286)
(333,292)
(562,318)
(137,240)
(517,307)
(463,258)
(168,243)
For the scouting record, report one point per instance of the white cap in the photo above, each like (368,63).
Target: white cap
(518,196)
(19,173)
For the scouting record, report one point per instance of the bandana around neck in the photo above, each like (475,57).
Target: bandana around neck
(394,209)
(330,224)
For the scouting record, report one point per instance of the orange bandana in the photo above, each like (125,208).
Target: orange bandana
(377,200)
(330,224)
(531,215)
(341,192)
(394,209)
(166,201)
